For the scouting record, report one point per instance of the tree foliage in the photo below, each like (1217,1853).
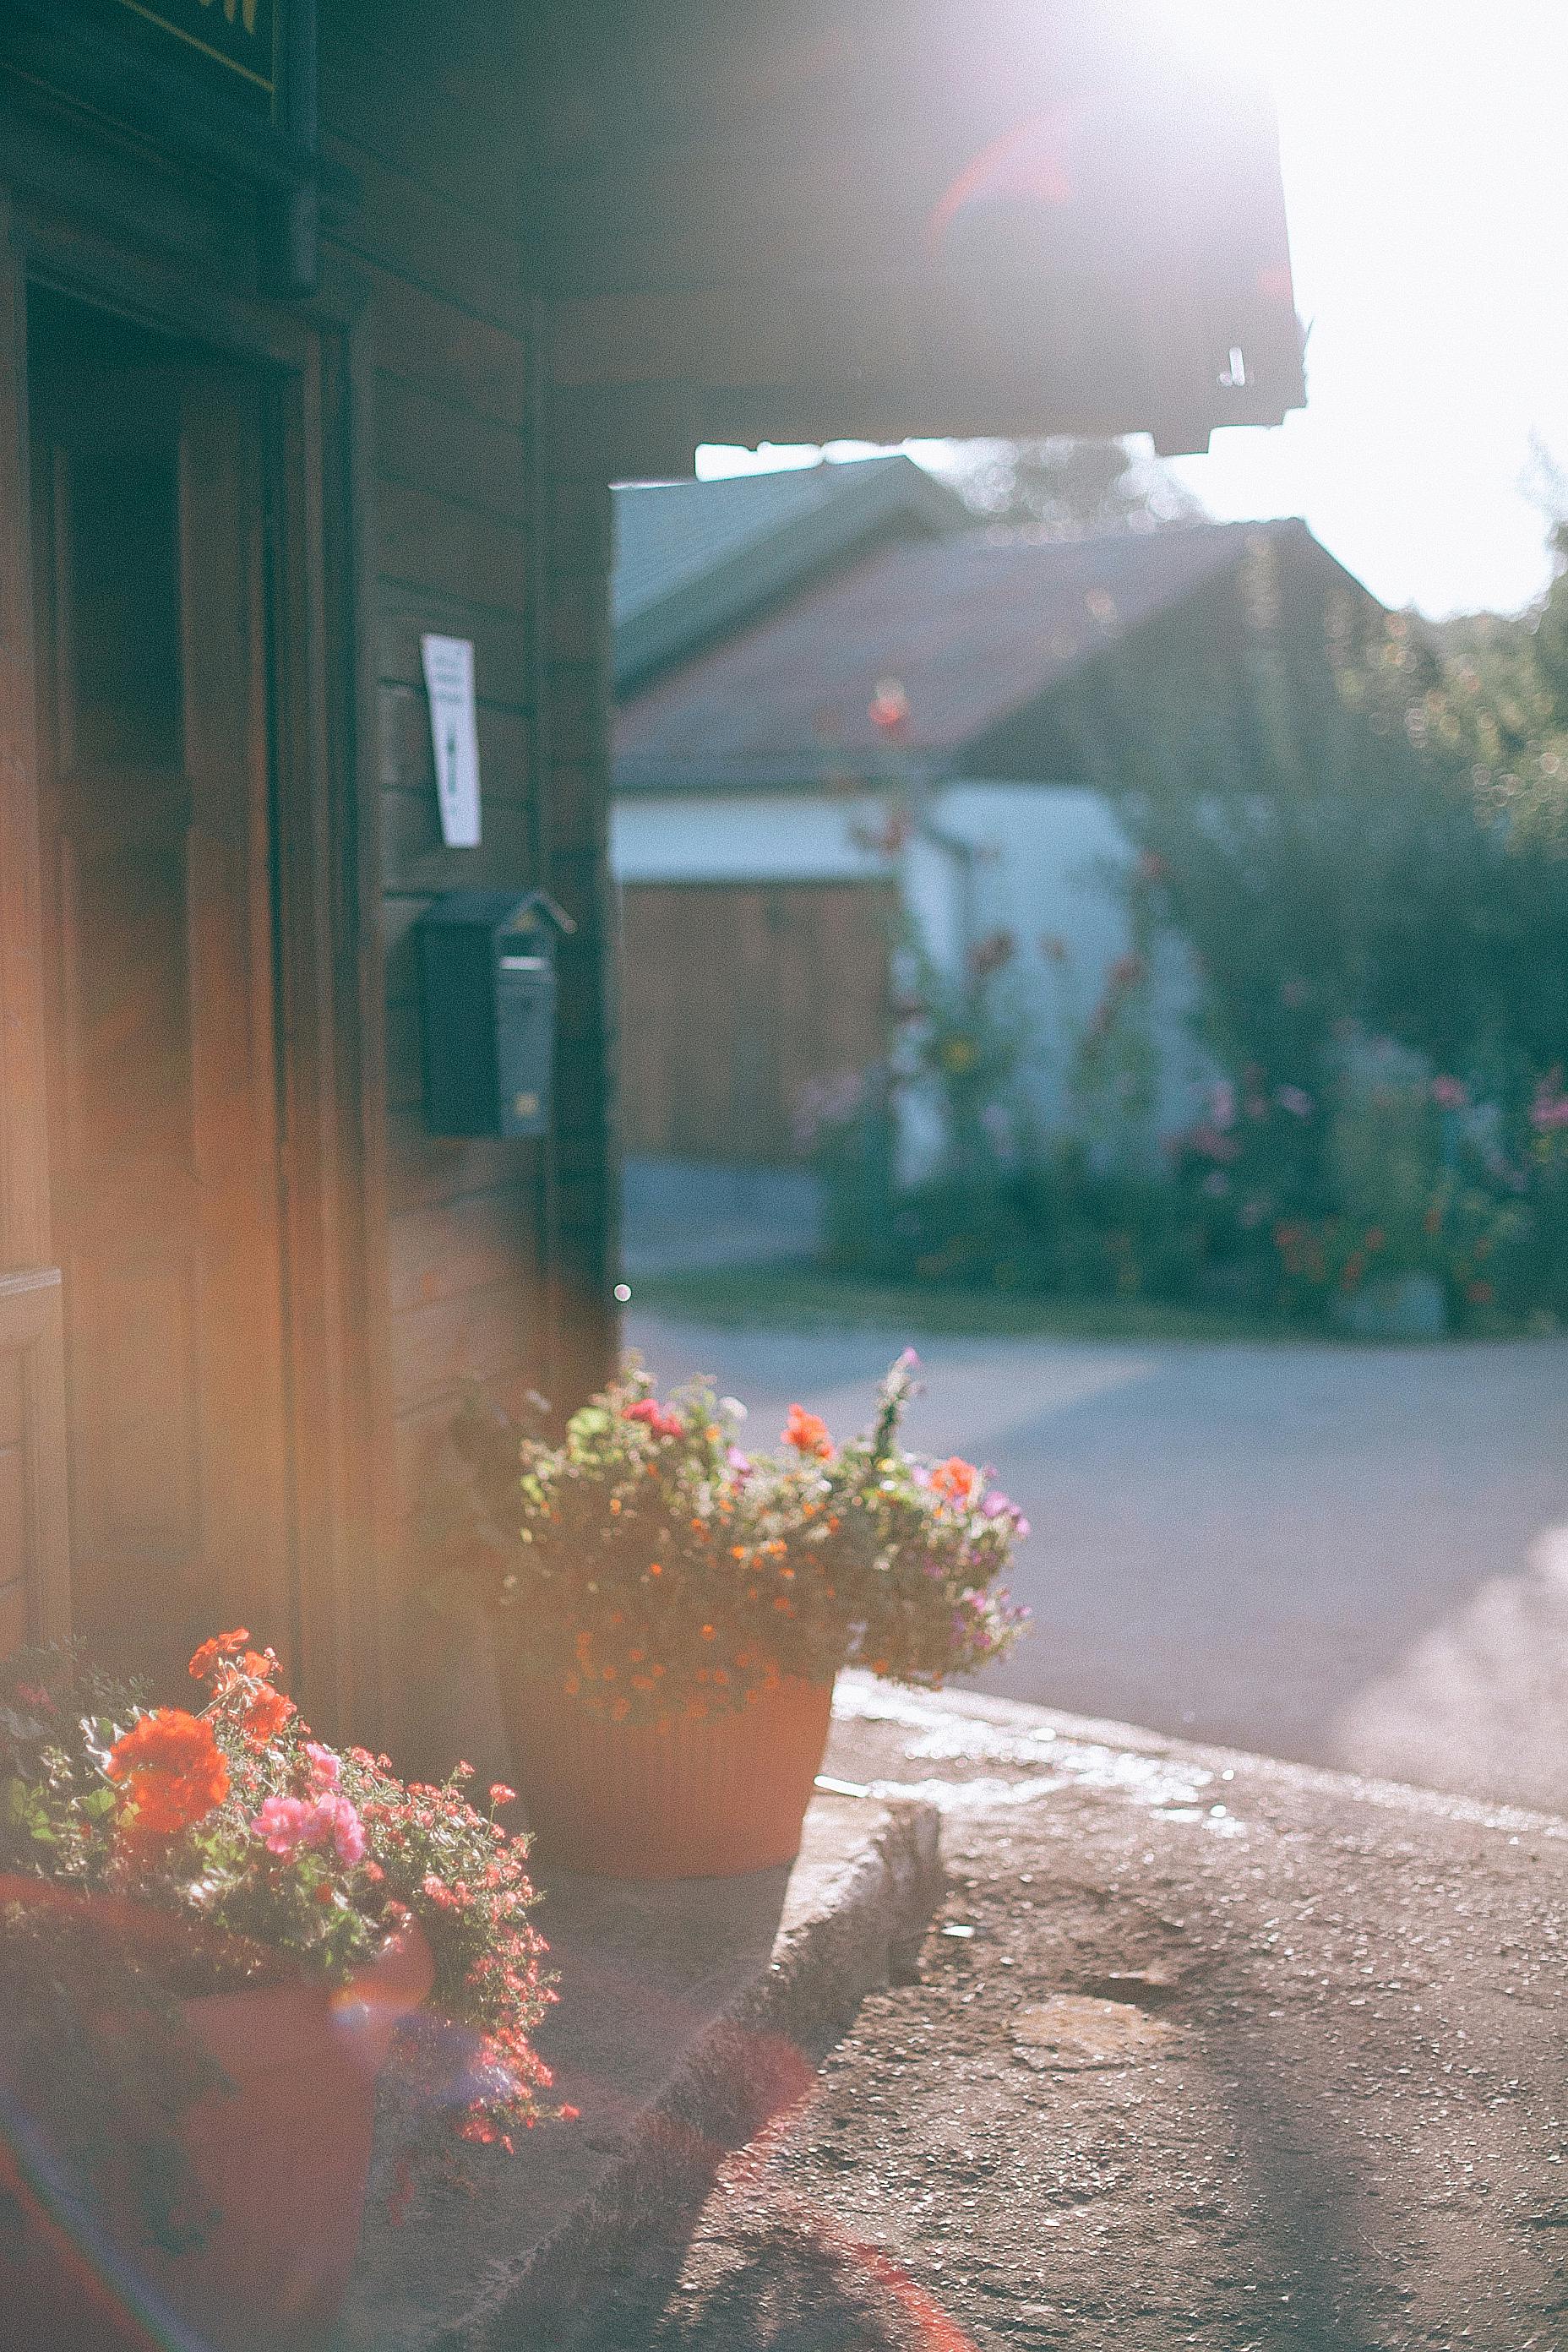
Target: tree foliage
(1072,488)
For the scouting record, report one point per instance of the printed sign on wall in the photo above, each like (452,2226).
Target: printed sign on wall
(454,735)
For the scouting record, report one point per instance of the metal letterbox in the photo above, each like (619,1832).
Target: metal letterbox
(487,987)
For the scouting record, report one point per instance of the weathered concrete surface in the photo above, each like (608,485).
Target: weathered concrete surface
(1325,2104)
(690,2012)
(1350,1555)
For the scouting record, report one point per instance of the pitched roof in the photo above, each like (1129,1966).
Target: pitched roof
(694,559)
(972,626)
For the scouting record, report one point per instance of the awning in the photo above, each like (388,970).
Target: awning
(870,218)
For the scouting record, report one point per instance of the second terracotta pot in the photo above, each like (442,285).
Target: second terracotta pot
(706,1798)
(282,2155)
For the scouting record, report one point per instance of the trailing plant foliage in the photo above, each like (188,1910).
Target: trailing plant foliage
(650,1567)
(149,1855)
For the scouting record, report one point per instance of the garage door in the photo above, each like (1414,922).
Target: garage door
(735,997)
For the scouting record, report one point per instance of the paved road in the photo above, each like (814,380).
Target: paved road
(1341,1555)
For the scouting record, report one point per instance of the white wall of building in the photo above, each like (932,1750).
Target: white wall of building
(1047,866)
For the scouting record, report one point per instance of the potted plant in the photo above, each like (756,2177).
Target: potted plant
(673,1608)
(210,1925)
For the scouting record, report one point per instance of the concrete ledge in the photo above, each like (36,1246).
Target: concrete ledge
(691,2012)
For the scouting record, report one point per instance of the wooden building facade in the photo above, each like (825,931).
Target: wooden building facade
(323,329)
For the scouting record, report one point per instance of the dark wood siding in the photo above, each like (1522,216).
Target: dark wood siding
(497,1263)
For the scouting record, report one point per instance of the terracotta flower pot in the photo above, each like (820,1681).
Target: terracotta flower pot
(680,1799)
(283,2159)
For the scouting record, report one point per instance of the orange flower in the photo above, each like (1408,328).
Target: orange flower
(264,1716)
(261,1665)
(955,1478)
(171,1770)
(807,1432)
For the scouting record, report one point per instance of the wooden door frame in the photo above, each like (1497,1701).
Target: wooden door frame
(315,369)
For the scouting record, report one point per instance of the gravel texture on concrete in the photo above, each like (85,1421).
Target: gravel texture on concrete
(1201,2050)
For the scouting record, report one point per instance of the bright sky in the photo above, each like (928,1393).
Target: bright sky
(1426,179)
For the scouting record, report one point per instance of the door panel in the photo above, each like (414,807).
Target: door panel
(164,1142)
(33,1557)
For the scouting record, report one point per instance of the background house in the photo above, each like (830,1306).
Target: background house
(870,724)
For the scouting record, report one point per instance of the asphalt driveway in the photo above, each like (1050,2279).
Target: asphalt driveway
(1341,1555)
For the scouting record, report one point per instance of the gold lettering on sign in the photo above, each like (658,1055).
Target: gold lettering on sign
(245,9)
(239,34)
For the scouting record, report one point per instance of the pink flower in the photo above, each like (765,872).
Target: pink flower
(291,1823)
(335,1817)
(1221,1104)
(1211,1144)
(1296,1100)
(283,1822)
(325,1765)
(1450,1094)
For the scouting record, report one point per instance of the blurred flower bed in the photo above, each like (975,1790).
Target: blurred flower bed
(1281,1197)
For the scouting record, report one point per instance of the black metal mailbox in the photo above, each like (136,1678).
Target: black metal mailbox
(487,986)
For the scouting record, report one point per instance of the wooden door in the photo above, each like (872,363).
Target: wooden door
(735,997)
(152,665)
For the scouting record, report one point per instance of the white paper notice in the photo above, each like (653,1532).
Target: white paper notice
(454,734)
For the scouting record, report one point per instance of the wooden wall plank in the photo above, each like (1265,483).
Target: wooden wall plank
(424,233)
(426,1170)
(436,345)
(456,1245)
(449,450)
(457,549)
(414,858)
(475,1336)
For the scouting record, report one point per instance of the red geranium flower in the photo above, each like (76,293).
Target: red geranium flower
(171,1771)
(661,1423)
(264,1716)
